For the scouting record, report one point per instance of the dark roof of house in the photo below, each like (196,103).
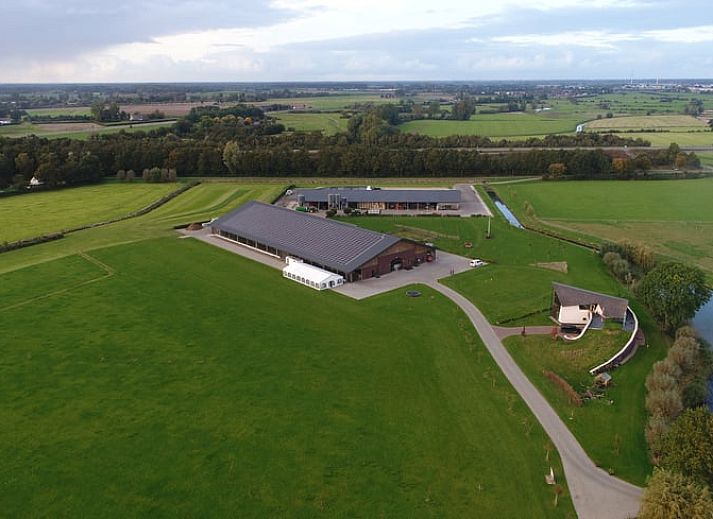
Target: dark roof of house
(613,307)
(335,245)
(353,194)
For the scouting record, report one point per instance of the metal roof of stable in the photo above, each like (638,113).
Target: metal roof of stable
(353,194)
(335,245)
(613,307)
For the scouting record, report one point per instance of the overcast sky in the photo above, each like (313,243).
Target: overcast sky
(301,40)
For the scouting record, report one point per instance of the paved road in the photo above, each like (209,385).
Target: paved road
(471,204)
(595,493)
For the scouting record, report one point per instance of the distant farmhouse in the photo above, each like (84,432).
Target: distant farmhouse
(333,247)
(379,199)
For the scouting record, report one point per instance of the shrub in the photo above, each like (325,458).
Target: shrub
(331,213)
(668,367)
(684,352)
(657,381)
(665,403)
(656,428)
(688,447)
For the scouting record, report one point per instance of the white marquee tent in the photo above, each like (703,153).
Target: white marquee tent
(311,276)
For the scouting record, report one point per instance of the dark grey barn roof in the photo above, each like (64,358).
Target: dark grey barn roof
(442,196)
(614,307)
(338,246)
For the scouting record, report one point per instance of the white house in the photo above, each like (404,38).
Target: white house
(311,276)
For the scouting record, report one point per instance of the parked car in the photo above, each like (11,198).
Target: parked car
(477,263)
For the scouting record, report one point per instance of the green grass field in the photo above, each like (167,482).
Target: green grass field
(674,217)
(200,203)
(496,125)
(331,102)
(328,124)
(683,138)
(81,131)
(641,103)
(652,122)
(165,388)
(35,214)
(706,159)
(54,112)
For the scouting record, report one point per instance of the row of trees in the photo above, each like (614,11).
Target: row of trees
(680,433)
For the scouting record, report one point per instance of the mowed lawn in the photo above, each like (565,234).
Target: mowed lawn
(674,217)
(328,123)
(193,383)
(35,214)
(495,125)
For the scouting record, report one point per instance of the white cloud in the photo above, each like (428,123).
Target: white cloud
(699,34)
(593,39)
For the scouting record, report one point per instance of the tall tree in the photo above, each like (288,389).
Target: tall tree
(688,447)
(670,495)
(674,292)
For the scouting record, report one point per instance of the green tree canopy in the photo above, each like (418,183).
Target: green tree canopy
(688,447)
(671,495)
(674,292)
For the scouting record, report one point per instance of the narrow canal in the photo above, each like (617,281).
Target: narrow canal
(703,323)
(505,210)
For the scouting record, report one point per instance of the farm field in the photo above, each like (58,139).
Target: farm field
(169,109)
(200,203)
(35,214)
(495,125)
(328,124)
(641,103)
(674,217)
(73,110)
(682,138)
(706,159)
(512,291)
(652,122)
(204,407)
(75,130)
(331,102)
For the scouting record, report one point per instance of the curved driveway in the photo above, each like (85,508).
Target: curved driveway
(594,492)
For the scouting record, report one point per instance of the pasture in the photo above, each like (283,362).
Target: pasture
(36,214)
(329,102)
(327,123)
(159,384)
(640,103)
(200,203)
(75,130)
(55,112)
(700,137)
(652,122)
(496,125)
(674,217)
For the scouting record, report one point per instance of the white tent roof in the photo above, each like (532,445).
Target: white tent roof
(310,272)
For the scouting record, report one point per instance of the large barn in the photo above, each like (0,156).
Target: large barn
(344,249)
(381,199)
